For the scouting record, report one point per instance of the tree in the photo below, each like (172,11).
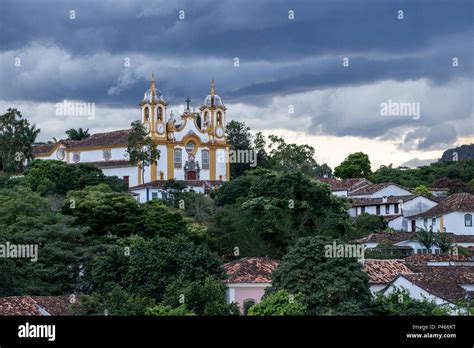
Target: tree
(104,211)
(239,138)
(203,297)
(279,303)
(366,223)
(273,210)
(425,237)
(357,165)
(400,303)
(78,134)
(163,310)
(141,148)
(50,177)
(115,301)
(423,190)
(28,219)
(442,241)
(16,141)
(145,267)
(329,285)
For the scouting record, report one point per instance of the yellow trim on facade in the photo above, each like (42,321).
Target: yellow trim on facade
(212,163)
(139,174)
(170,161)
(441,223)
(154,175)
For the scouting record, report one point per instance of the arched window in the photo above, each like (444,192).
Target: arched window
(247,304)
(205,159)
(159,113)
(147,114)
(468,220)
(178,158)
(219,117)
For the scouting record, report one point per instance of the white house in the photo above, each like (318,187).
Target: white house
(454,214)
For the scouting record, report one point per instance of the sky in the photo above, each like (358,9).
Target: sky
(315,72)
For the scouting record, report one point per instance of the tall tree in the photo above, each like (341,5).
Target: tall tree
(77,134)
(16,141)
(357,165)
(239,139)
(329,285)
(141,148)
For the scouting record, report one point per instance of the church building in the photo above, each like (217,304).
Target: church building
(192,147)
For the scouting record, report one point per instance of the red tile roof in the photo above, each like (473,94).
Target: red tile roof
(462,202)
(443,281)
(384,271)
(112,163)
(357,202)
(35,305)
(369,189)
(346,184)
(397,237)
(424,258)
(250,270)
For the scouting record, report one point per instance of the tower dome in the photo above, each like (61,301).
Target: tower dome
(152,94)
(213,99)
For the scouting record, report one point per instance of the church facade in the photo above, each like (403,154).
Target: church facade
(192,147)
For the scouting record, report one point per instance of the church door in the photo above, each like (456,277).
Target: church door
(191,175)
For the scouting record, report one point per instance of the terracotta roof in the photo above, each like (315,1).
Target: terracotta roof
(462,202)
(114,138)
(443,281)
(35,305)
(425,258)
(391,217)
(372,188)
(384,271)
(119,137)
(112,163)
(346,184)
(250,270)
(189,183)
(356,202)
(397,237)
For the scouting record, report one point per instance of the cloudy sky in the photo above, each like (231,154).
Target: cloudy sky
(314,72)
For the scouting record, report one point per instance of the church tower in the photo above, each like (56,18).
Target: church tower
(213,113)
(153,107)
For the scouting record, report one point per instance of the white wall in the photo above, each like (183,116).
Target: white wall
(453,222)
(131,172)
(417,205)
(391,190)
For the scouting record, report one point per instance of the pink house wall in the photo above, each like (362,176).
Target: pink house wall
(240,294)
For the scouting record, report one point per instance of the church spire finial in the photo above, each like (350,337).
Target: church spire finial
(153,87)
(212,88)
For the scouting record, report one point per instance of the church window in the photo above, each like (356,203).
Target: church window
(178,158)
(76,157)
(190,147)
(205,159)
(159,112)
(107,155)
(147,114)
(219,117)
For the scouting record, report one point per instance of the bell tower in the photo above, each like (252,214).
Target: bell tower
(154,108)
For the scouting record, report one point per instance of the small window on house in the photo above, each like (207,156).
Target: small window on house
(425,222)
(154,195)
(178,157)
(387,208)
(433,222)
(396,208)
(362,209)
(126,181)
(468,220)
(377,210)
(205,159)
(247,304)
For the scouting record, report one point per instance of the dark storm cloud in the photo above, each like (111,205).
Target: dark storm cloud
(83,58)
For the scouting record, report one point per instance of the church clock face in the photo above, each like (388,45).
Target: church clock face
(219,132)
(146,126)
(160,127)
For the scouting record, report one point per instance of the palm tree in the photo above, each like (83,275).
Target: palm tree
(78,134)
(442,242)
(31,133)
(425,237)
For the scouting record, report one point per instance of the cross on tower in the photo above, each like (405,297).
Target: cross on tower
(187,102)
